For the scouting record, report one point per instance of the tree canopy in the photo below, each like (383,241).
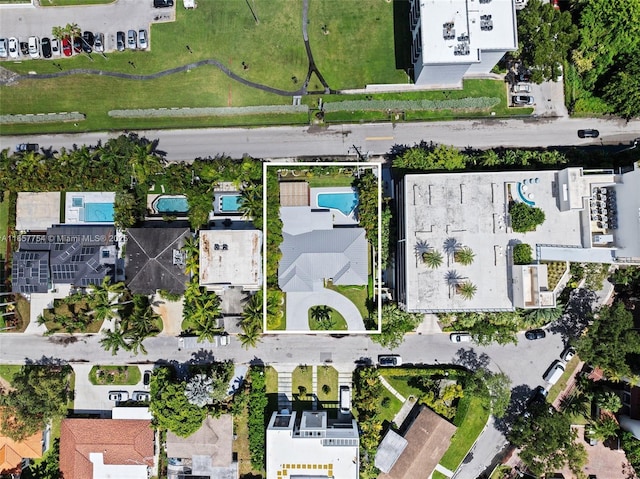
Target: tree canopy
(610,341)
(524,217)
(545,36)
(427,156)
(395,324)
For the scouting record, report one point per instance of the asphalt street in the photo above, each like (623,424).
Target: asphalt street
(373,139)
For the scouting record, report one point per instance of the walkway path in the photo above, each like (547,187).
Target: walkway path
(391,389)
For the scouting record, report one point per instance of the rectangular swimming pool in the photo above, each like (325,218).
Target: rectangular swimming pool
(344,202)
(230,203)
(98,212)
(171,204)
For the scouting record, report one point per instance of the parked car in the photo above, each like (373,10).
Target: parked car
(162,3)
(118,396)
(34,47)
(4,48)
(539,395)
(588,133)
(120,41)
(66,47)
(521,88)
(22,147)
(345,399)
(55,47)
(389,360)
(87,41)
(132,43)
(524,75)
(554,373)
(142,396)
(568,354)
(142,40)
(46,47)
(13,47)
(460,337)
(77,44)
(522,100)
(146,379)
(535,334)
(24,48)
(98,44)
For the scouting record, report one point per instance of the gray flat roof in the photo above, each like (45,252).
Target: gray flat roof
(37,211)
(472,209)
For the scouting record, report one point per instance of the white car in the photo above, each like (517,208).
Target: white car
(142,396)
(521,88)
(3,48)
(143,44)
(55,47)
(118,395)
(34,47)
(460,337)
(568,354)
(13,47)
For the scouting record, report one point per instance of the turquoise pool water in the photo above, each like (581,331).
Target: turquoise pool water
(230,203)
(522,196)
(171,204)
(345,202)
(98,212)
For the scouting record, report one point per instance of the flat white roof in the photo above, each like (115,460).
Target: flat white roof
(37,211)
(472,209)
(230,258)
(464,24)
(121,471)
(131,413)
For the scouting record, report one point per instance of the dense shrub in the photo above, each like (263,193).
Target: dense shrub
(522,254)
(257,406)
(524,217)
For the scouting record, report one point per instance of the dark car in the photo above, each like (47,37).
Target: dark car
(120,41)
(24,48)
(162,3)
(27,147)
(66,47)
(87,42)
(146,379)
(389,360)
(535,334)
(45,44)
(77,44)
(539,395)
(588,133)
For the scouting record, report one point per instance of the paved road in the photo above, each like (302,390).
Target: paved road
(284,142)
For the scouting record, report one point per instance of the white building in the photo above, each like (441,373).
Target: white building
(310,446)
(591,217)
(457,38)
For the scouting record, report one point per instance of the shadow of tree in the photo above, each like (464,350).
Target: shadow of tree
(469,359)
(45,361)
(520,395)
(576,315)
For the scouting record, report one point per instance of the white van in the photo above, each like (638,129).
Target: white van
(345,399)
(554,373)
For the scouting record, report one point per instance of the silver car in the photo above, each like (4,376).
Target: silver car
(132,42)
(142,40)
(118,395)
(98,43)
(4,45)
(34,47)
(55,47)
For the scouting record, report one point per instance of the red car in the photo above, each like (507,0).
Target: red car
(66,46)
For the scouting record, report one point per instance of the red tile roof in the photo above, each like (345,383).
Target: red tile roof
(122,441)
(12,452)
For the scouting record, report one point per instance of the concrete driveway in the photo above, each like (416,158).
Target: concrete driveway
(298,305)
(90,399)
(121,15)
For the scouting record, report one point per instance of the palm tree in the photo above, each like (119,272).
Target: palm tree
(320,313)
(145,163)
(467,290)
(539,316)
(251,200)
(250,336)
(252,313)
(421,248)
(464,256)
(191,246)
(609,401)
(605,428)
(113,341)
(450,246)
(433,259)
(58,32)
(577,404)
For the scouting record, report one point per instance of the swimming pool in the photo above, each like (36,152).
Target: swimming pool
(523,195)
(345,202)
(171,204)
(230,203)
(98,212)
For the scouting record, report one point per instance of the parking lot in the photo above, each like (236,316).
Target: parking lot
(123,15)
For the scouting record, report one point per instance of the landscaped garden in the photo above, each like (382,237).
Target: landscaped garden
(324,318)
(327,384)
(302,386)
(115,375)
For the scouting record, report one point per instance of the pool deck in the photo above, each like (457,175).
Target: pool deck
(339,218)
(72,215)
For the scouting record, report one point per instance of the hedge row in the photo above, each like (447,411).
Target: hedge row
(41,117)
(208,111)
(411,105)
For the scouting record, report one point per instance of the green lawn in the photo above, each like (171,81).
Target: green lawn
(468,431)
(338,321)
(116,375)
(65,3)
(7,372)
(4,224)
(302,376)
(393,405)
(401,384)
(327,375)
(356,294)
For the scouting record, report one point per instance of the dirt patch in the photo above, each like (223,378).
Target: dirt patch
(5,386)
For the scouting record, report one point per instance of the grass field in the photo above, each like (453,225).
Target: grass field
(7,372)
(66,3)
(356,294)
(560,386)
(338,321)
(4,225)
(116,375)
(327,375)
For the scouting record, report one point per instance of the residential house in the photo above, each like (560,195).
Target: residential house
(418,451)
(454,39)
(13,453)
(310,445)
(589,217)
(106,448)
(205,454)
(155,260)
